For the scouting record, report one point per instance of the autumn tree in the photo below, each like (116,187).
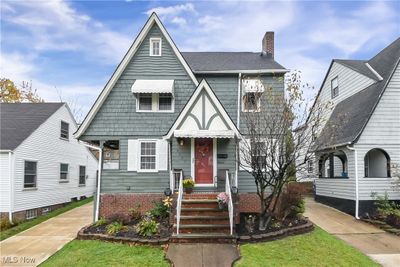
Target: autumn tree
(269,150)
(10,93)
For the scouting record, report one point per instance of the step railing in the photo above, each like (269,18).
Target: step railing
(228,191)
(179,202)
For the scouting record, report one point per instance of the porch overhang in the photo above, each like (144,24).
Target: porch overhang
(204,134)
(153,86)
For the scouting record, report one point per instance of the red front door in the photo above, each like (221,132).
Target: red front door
(203,154)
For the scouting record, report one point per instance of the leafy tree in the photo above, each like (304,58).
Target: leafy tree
(10,93)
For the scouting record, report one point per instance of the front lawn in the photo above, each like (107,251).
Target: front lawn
(317,248)
(97,253)
(28,224)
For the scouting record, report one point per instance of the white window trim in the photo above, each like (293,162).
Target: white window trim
(35,214)
(310,166)
(139,169)
(332,91)
(151,47)
(79,174)
(155,105)
(59,173)
(36,180)
(63,138)
(251,110)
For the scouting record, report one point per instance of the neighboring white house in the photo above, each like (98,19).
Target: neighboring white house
(42,165)
(357,151)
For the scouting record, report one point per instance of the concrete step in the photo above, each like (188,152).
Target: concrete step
(203,228)
(203,238)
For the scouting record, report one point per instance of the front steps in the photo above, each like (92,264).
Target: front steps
(202,221)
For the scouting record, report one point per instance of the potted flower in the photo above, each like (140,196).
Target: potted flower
(223,199)
(188,185)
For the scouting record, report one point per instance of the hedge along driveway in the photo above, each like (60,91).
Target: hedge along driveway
(38,243)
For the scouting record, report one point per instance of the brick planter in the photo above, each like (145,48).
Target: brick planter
(295,230)
(117,239)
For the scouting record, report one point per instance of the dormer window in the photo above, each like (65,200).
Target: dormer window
(334,87)
(155,46)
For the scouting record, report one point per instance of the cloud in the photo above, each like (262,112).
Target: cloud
(179,21)
(171,11)
(211,22)
(56,26)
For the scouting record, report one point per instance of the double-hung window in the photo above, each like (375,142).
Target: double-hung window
(259,159)
(310,166)
(334,87)
(145,102)
(63,172)
(64,134)
(82,175)
(30,174)
(155,46)
(148,156)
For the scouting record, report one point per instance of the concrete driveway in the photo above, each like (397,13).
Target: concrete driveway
(35,245)
(382,247)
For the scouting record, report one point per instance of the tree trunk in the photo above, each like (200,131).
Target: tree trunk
(265,218)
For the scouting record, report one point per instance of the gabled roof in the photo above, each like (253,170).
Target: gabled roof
(359,66)
(153,19)
(203,86)
(350,117)
(19,120)
(204,62)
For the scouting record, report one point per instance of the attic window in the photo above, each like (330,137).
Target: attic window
(334,87)
(64,134)
(155,46)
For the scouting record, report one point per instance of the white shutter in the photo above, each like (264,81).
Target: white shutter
(244,151)
(133,152)
(162,155)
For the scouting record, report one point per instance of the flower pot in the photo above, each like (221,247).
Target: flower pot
(221,205)
(189,190)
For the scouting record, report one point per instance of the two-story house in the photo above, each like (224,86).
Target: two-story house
(357,150)
(42,166)
(166,114)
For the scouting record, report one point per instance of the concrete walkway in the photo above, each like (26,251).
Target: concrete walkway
(35,245)
(202,255)
(382,247)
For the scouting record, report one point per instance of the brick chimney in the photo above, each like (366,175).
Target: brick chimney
(268,44)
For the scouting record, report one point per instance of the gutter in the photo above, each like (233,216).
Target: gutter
(356,176)
(243,71)
(98,148)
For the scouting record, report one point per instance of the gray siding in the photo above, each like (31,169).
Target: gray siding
(118,117)
(181,156)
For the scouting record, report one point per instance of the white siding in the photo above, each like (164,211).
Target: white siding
(4,182)
(339,188)
(382,131)
(46,147)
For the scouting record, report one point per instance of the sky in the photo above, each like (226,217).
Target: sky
(69,49)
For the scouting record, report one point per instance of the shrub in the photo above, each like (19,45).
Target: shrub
(5,224)
(384,207)
(134,213)
(147,227)
(100,222)
(115,228)
(160,211)
(118,217)
(291,203)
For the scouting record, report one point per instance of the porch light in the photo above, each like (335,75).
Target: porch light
(181,142)
(235,190)
(167,192)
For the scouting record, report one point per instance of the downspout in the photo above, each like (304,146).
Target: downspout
(99,149)
(11,184)
(238,126)
(356,177)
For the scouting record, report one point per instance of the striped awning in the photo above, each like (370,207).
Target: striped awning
(153,86)
(252,86)
(204,134)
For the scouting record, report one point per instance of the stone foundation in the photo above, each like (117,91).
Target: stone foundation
(120,203)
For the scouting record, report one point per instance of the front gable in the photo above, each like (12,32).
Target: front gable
(114,112)
(203,116)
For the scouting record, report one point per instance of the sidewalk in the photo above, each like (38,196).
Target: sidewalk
(382,247)
(35,245)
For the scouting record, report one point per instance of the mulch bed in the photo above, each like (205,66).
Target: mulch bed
(289,227)
(128,236)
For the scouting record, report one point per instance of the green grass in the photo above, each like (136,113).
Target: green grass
(317,248)
(28,224)
(98,253)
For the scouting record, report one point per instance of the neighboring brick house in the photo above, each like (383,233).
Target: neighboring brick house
(165,112)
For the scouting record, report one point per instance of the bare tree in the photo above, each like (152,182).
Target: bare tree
(269,150)
(73,104)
